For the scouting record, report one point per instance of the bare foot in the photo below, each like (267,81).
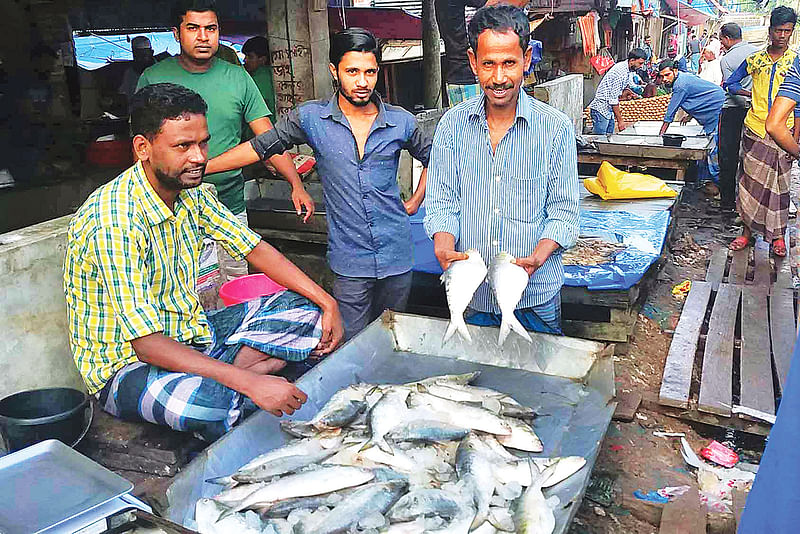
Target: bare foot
(257,361)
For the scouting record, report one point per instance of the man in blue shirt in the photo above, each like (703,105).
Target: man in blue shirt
(702,100)
(504,175)
(357,141)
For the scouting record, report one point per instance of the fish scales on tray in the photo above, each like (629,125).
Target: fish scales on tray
(429,456)
(590,251)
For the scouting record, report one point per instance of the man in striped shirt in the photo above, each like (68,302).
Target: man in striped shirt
(139,336)
(604,108)
(503,175)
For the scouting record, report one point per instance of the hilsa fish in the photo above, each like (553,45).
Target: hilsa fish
(461,280)
(508,281)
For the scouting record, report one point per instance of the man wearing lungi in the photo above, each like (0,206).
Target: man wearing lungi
(503,175)
(139,336)
(764,175)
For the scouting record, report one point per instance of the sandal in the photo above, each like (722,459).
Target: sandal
(779,247)
(740,243)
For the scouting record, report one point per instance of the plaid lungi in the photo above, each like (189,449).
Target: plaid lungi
(458,93)
(764,177)
(284,325)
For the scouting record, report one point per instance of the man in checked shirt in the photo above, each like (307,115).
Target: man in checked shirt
(139,336)
(503,175)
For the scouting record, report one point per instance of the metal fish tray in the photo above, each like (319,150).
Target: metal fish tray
(47,484)
(650,146)
(570,383)
(651,128)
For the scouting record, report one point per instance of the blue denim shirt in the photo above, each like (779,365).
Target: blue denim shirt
(369,233)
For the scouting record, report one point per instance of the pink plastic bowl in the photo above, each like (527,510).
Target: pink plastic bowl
(247,288)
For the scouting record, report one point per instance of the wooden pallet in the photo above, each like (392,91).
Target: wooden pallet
(734,340)
(605,315)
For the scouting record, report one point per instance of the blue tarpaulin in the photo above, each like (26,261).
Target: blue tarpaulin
(644,233)
(96,51)
(773,505)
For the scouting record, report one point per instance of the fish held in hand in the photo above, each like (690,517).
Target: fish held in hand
(508,281)
(461,280)
(341,410)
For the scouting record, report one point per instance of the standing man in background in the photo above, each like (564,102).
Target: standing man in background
(694,47)
(765,174)
(461,82)
(604,108)
(232,99)
(142,58)
(734,110)
(648,49)
(680,61)
(257,64)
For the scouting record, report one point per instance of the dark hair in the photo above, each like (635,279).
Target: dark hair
(731,30)
(500,18)
(256,45)
(353,40)
(180,7)
(782,15)
(666,64)
(152,105)
(637,53)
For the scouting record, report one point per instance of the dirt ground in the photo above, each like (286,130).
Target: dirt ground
(631,458)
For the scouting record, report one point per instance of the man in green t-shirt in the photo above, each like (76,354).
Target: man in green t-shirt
(257,64)
(232,98)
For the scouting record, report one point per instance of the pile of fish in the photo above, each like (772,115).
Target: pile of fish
(591,251)
(428,456)
(507,279)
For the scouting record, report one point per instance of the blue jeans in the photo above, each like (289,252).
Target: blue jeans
(695,59)
(708,169)
(600,124)
(362,300)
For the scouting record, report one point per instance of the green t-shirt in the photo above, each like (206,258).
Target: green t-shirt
(263,78)
(232,97)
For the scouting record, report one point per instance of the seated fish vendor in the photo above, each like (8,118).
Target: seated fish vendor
(503,176)
(139,336)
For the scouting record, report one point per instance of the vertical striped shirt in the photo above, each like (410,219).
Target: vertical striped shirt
(611,86)
(131,268)
(506,201)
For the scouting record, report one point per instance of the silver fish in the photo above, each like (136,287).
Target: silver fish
(463,379)
(372,498)
(461,414)
(231,496)
(521,472)
(461,280)
(506,404)
(522,437)
(304,447)
(534,514)
(306,484)
(362,455)
(282,509)
(388,413)
(207,514)
(428,431)
(342,408)
(475,470)
(281,466)
(508,281)
(424,502)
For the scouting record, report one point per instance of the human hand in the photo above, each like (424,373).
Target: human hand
(301,199)
(685,120)
(332,330)
(274,394)
(412,205)
(622,126)
(446,257)
(529,263)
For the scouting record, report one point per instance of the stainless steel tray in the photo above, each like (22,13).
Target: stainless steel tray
(48,483)
(570,382)
(644,146)
(653,127)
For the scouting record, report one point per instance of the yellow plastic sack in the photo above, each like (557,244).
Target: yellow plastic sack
(614,184)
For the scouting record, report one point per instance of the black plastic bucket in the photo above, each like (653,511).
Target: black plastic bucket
(32,416)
